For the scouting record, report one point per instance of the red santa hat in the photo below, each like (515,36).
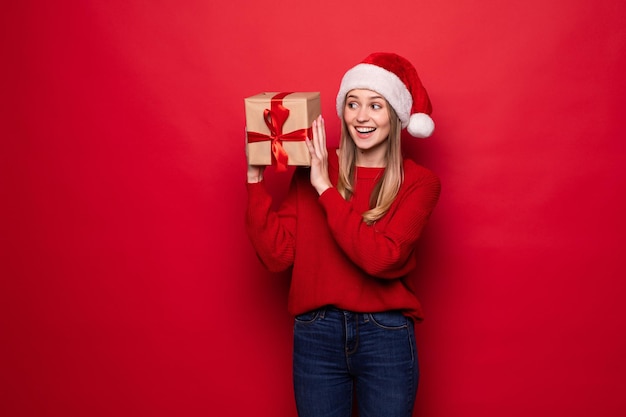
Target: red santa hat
(396,79)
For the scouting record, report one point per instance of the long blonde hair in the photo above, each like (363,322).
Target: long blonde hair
(387,187)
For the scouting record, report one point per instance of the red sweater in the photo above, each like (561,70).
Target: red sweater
(338,259)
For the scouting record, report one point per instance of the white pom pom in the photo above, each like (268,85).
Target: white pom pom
(420,125)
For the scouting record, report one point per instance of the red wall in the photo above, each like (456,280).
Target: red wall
(128,286)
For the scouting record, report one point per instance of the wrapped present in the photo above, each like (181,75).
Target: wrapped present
(277,125)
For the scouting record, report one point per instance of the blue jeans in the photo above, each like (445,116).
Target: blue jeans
(337,351)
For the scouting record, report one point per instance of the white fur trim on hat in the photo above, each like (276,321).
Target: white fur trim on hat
(386,83)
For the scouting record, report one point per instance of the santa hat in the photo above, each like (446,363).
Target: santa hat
(397,81)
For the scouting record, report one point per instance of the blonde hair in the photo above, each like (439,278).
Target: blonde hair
(387,187)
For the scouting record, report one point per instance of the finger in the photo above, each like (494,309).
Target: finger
(309,145)
(311,148)
(315,142)
(319,136)
(320,145)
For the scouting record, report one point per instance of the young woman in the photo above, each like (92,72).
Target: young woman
(348,228)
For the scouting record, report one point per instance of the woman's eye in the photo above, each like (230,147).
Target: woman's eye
(376,106)
(352,105)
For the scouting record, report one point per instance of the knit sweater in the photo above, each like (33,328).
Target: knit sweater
(338,259)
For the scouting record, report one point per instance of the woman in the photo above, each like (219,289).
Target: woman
(348,228)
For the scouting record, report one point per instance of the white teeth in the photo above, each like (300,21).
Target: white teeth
(365,129)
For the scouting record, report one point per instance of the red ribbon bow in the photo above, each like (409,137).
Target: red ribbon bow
(275,118)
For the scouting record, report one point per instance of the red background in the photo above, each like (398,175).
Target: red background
(128,286)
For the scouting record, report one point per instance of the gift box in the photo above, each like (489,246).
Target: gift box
(277,125)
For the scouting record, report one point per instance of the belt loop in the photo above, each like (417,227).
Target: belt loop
(366,317)
(322,312)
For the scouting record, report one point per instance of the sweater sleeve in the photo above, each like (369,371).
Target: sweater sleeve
(272,233)
(383,253)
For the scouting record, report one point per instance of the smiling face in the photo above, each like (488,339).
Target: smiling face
(366,115)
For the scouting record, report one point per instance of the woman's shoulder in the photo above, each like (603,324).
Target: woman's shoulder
(414,172)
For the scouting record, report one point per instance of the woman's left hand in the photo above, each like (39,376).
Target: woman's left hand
(319,157)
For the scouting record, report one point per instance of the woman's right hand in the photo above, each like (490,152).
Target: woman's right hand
(255,172)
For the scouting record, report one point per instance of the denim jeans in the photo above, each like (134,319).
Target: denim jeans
(337,351)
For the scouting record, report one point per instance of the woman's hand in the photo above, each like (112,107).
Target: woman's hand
(255,172)
(319,157)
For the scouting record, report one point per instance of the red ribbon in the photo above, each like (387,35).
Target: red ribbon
(275,118)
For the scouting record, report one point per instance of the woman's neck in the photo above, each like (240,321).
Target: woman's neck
(371,158)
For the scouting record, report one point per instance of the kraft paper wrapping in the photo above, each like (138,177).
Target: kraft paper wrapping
(304,107)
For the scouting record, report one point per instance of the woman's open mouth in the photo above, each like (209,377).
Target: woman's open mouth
(364,132)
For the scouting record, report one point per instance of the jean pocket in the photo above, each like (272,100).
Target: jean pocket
(308,317)
(389,320)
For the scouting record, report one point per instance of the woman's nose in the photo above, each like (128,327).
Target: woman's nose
(362,115)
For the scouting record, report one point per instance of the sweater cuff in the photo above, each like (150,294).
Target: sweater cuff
(257,193)
(255,186)
(330,198)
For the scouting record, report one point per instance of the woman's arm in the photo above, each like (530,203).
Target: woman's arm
(384,253)
(272,233)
